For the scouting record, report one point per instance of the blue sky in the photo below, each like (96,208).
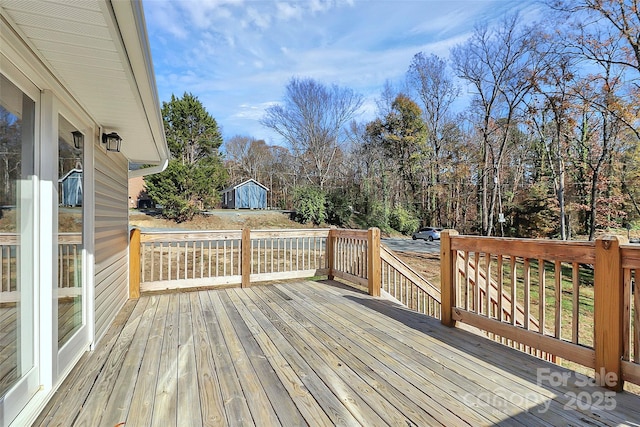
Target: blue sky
(237,56)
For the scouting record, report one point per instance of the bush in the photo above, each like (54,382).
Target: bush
(403,220)
(338,209)
(377,217)
(309,203)
(178,209)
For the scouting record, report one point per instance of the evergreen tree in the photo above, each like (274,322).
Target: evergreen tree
(195,173)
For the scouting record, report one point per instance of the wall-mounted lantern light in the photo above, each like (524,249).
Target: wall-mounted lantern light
(78,139)
(112,141)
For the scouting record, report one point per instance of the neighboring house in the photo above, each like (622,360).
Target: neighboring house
(246,195)
(70,72)
(138,197)
(70,188)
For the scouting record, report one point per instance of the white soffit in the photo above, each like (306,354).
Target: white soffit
(98,49)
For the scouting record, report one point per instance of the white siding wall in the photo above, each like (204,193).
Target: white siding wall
(111,238)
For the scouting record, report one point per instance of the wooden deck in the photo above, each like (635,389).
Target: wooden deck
(309,353)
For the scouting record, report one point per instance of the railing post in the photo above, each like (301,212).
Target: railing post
(374,268)
(134,263)
(608,312)
(245,247)
(448,277)
(330,252)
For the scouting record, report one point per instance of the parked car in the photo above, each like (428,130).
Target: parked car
(427,233)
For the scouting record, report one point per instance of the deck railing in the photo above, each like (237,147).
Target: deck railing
(172,260)
(407,286)
(630,264)
(554,283)
(8,267)
(69,266)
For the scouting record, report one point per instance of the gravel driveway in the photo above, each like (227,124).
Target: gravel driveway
(408,245)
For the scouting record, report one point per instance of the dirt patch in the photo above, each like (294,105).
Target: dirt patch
(426,264)
(223,220)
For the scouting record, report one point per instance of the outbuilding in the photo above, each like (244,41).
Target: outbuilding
(249,194)
(70,188)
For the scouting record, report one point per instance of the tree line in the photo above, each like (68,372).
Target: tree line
(546,143)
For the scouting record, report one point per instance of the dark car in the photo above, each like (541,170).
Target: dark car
(427,233)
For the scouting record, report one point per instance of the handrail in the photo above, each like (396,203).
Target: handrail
(407,286)
(562,267)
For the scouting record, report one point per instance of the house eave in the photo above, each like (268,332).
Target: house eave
(96,52)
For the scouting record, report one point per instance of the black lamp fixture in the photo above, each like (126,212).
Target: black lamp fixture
(112,141)
(78,139)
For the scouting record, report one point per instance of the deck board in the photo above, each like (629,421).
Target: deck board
(235,404)
(166,395)
(285,409)
(309,353)
(145,386)
(208,387)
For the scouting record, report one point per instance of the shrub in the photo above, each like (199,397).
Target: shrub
(378,217)
(338,209)
(309,203)
(403,220)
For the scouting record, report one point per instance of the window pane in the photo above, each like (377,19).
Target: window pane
(17,118)
(70,220)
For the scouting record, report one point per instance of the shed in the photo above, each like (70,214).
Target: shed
(249,194)
(70,188)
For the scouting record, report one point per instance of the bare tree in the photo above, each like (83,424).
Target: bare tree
(550,118)
(498,64)
(311,120)
(248,157)
(429,77)
(621,15)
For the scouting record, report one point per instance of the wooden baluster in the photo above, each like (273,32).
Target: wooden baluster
(159,248)
(626,318)
(542,299)
(558,308)
(209,258)
(575,315)
(514,280)
(527,292)
(636,319)
(201,259)
(153,260)
(169,261)
(232,245)
(467,281)
(488,287)
(499,273)
(186,259)
(476,277)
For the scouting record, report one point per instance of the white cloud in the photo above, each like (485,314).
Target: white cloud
(286,11)
(163,15)
(237,56)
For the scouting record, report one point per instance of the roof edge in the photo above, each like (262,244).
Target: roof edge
(132,28)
